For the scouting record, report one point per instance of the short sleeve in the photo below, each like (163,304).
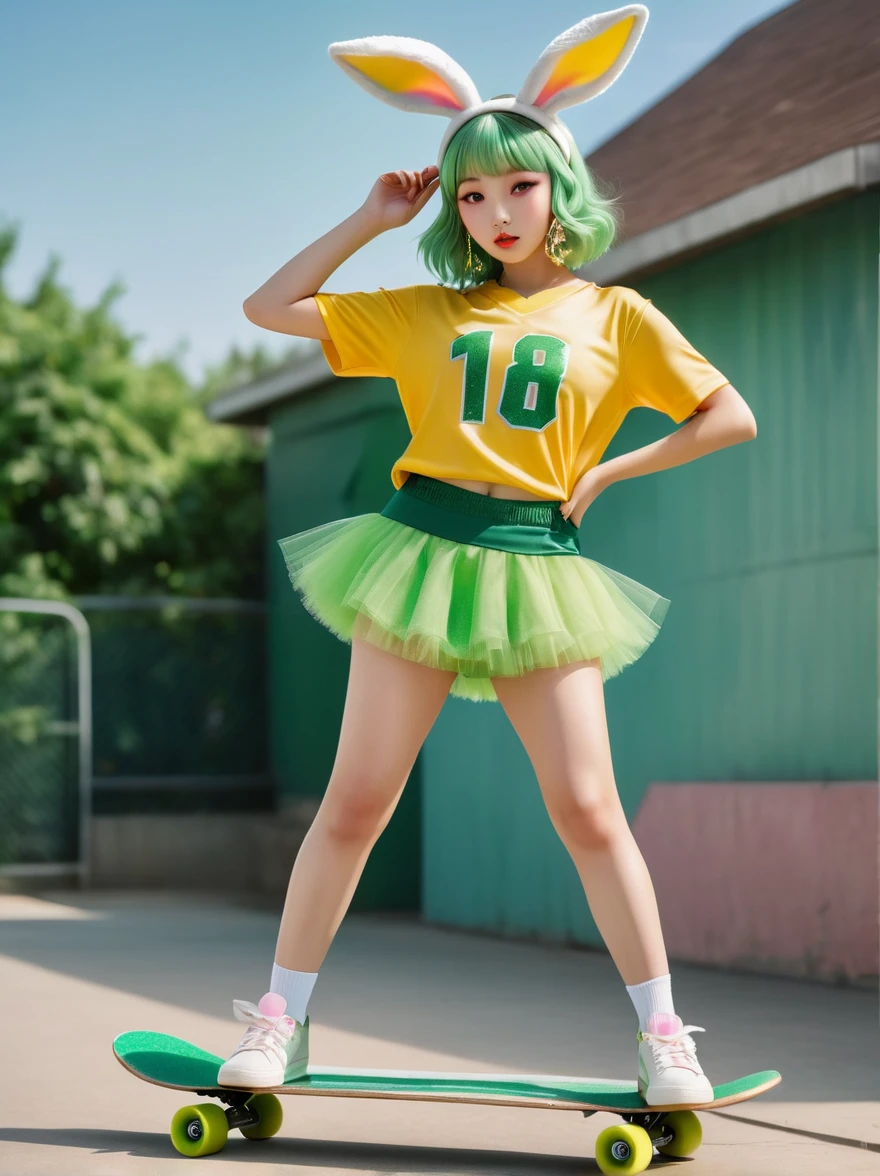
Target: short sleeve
(661,368)
(368,331)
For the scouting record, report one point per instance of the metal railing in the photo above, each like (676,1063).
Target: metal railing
(82,728)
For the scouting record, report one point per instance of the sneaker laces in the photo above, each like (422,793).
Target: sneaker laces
(675,1049)
(269,1034)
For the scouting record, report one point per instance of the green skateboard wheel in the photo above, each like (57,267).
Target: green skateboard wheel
(688,1132)
(268,1107)
(199,1130)
(624,1150)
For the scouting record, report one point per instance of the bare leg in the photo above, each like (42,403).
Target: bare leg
(559,714)
(390,707)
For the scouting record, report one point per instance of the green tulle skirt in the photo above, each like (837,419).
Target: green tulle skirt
(466,607)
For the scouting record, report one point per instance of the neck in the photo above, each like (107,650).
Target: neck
(562,278)
(535,273)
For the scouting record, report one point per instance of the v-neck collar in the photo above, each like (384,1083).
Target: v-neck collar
(504,296)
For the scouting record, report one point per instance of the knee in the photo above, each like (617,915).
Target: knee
(357,811)
(590,817)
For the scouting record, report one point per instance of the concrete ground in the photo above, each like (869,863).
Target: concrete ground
(78,968)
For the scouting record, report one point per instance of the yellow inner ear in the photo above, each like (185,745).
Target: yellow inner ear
(585,62)
(400,76)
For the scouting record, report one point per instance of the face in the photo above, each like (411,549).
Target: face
(515,205)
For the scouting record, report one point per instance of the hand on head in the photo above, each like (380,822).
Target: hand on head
(397,197)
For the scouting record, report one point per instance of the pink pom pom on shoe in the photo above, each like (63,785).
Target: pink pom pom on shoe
(272,1005)
(663,1023)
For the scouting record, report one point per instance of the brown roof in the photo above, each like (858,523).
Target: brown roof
(799,85)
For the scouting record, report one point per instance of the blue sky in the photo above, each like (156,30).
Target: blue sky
(188,148)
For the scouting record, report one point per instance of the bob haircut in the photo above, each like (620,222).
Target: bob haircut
(492,144)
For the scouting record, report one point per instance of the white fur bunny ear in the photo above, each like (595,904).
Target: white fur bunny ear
(584,60)
(416,75)
(408,73)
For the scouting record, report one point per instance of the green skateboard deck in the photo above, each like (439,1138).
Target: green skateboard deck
(625,1149)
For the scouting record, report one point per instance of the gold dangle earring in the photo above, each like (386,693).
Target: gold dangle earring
(471,262)
(554,241)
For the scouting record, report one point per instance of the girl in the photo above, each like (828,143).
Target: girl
(514,375)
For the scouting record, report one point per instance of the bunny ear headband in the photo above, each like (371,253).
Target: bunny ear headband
(579,64)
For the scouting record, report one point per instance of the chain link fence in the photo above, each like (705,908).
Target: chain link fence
(45,738)
(178,722)
(180,704)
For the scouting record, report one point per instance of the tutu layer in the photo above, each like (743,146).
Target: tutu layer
(480,612)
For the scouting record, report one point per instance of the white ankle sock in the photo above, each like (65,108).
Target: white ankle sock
(654,996)
(295,987)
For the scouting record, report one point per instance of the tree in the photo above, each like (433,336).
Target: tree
(111,477)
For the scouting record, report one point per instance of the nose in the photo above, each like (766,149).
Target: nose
(501,218)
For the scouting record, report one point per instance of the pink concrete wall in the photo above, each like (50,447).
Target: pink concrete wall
(772,877)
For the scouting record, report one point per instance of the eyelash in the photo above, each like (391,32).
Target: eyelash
(527,183)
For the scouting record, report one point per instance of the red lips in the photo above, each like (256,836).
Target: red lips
(505,239)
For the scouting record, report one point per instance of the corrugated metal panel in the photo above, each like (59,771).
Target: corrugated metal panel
(765,668)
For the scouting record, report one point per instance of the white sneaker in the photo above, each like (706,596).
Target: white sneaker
(669,1072)
(273,1050)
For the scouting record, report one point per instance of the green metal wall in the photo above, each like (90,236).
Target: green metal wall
(765,668)
(330,456)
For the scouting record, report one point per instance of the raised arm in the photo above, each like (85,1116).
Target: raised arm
(285,301)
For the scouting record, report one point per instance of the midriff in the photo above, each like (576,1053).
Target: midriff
(495,490)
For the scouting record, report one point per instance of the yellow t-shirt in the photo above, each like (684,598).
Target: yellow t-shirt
(526,392)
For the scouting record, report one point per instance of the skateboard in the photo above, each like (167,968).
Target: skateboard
(622,1150)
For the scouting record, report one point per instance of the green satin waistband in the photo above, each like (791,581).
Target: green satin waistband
(528,527)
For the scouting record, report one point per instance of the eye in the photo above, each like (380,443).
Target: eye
(478,196)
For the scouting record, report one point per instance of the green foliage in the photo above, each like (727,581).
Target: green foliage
(112,480)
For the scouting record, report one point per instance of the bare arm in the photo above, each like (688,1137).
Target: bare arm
(285,302)
(722,419)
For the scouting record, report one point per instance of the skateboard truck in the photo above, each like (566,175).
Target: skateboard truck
(651,1121)
(238,1114)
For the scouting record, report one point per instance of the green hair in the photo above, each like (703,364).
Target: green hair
(492,144)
